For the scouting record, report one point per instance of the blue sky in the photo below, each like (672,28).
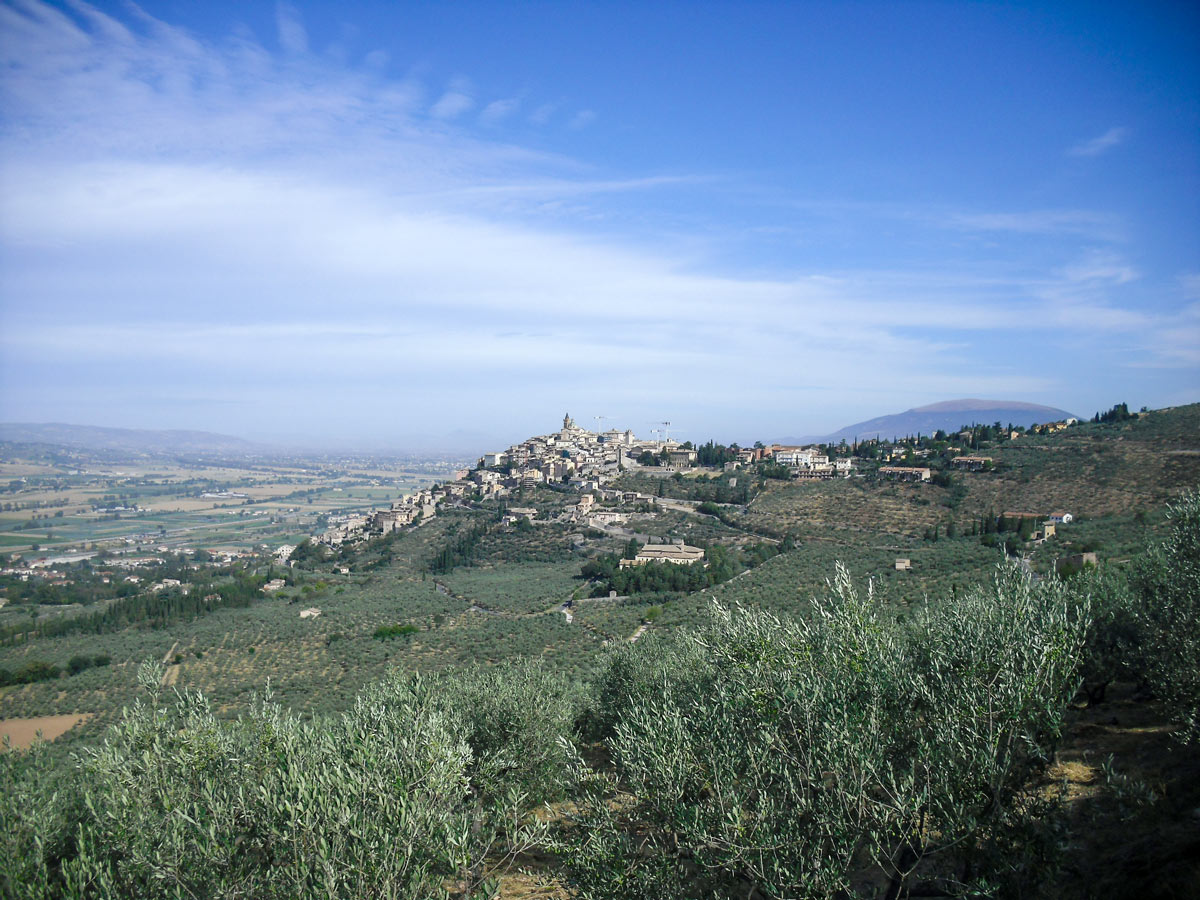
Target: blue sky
(441,225)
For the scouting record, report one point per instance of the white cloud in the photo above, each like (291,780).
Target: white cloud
(499,110)
(1085,223)
(1099,144)
(454,102)
(1100,267)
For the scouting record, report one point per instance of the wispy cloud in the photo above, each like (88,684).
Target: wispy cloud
(1100,144)
(1082,222)
(454,102)
(1100,267)
(542,114)
(184,212)
(293,37)
(499,110)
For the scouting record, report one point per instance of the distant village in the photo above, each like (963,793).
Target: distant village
(589,461)
(574,457)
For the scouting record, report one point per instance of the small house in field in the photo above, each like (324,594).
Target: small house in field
(903,565)
(1060,518)
(311,613)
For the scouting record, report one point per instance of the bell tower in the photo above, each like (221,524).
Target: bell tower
(568,422)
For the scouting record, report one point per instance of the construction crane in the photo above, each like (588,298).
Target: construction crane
(666,432)
(599,419)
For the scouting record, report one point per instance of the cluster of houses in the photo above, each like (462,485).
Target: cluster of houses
(406,511)
(903,473)
(572,455)
(585,460)
(806,462)
(923,473)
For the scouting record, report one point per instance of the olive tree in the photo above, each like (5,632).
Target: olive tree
(1167,587)
(791,758)
(179,803)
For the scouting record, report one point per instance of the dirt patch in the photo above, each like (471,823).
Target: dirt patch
(1133,803)
(21,732)
(530,877)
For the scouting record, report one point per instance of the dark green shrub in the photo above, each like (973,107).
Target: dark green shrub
(1111,648)
(36,670)
(386,632)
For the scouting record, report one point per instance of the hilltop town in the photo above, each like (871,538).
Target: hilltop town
(577,459)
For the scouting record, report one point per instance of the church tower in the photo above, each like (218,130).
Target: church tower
(568,422)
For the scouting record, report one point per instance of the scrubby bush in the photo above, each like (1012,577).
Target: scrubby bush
(180,803)
(1166,585)
(785,756)
(514,718)
(35,671)
(38,796)
(1114,635)
(387,632)
(378,802)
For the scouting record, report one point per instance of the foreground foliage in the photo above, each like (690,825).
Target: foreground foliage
(1166,603)
(788,756)
(404,796)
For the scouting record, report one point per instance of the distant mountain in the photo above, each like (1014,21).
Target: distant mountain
(949,416)
(126,440)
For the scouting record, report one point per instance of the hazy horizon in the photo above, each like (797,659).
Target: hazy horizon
(381,224)
(463,443)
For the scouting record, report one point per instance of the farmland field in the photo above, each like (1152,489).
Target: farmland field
(65,504)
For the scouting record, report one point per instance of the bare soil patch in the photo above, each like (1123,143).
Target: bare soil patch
(21,732)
